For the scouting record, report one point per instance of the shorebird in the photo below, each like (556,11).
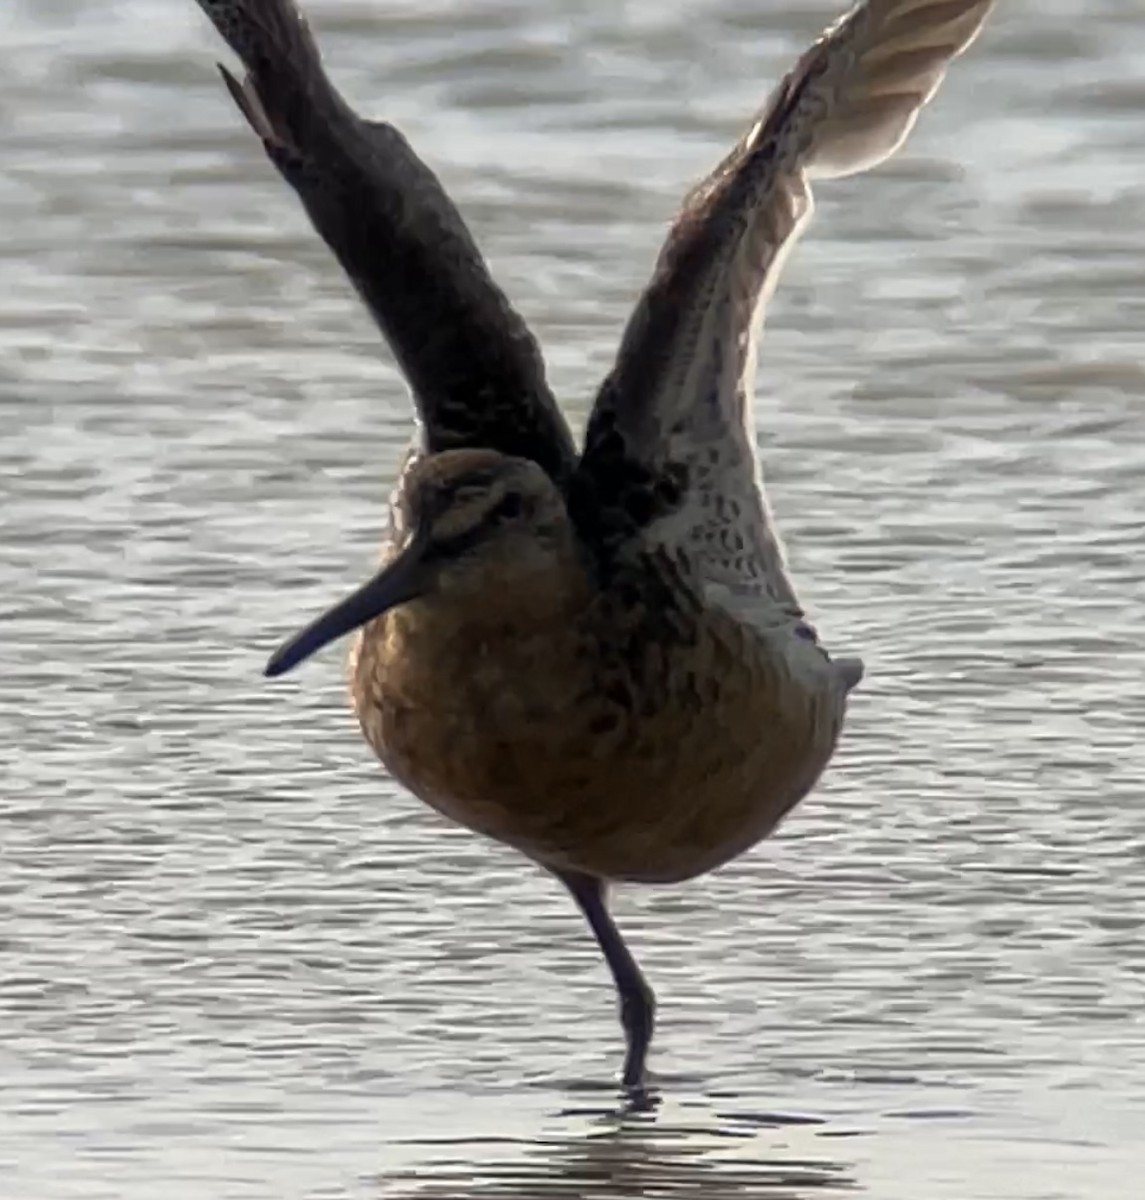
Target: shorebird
(597,658)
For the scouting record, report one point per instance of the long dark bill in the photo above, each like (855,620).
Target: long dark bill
(405,578)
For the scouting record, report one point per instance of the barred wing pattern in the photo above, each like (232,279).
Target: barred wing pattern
(670,463)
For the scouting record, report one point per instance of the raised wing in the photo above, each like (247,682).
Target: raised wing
(476,372)
(670,461)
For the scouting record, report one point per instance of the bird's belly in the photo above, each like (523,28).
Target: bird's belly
(624,818)
(652,796)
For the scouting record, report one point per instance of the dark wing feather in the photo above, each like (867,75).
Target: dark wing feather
(476,371)
(670,464)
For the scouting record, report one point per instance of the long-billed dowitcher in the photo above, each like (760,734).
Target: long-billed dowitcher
(598,659)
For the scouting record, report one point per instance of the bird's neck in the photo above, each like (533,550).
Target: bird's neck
(511,619)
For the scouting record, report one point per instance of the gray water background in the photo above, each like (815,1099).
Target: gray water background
(236,962)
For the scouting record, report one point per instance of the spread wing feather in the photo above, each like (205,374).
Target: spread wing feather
(670,464)
(476,372)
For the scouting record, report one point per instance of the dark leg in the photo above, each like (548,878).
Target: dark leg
(637,1003)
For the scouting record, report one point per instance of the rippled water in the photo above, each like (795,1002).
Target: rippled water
(236,962)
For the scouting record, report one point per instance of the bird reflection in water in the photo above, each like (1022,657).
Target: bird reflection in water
(631,1157)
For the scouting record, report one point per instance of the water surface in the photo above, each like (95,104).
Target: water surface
(237,963)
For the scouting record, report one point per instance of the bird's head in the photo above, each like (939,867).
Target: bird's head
(484,530)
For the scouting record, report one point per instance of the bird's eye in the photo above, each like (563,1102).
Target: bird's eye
(508,507)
